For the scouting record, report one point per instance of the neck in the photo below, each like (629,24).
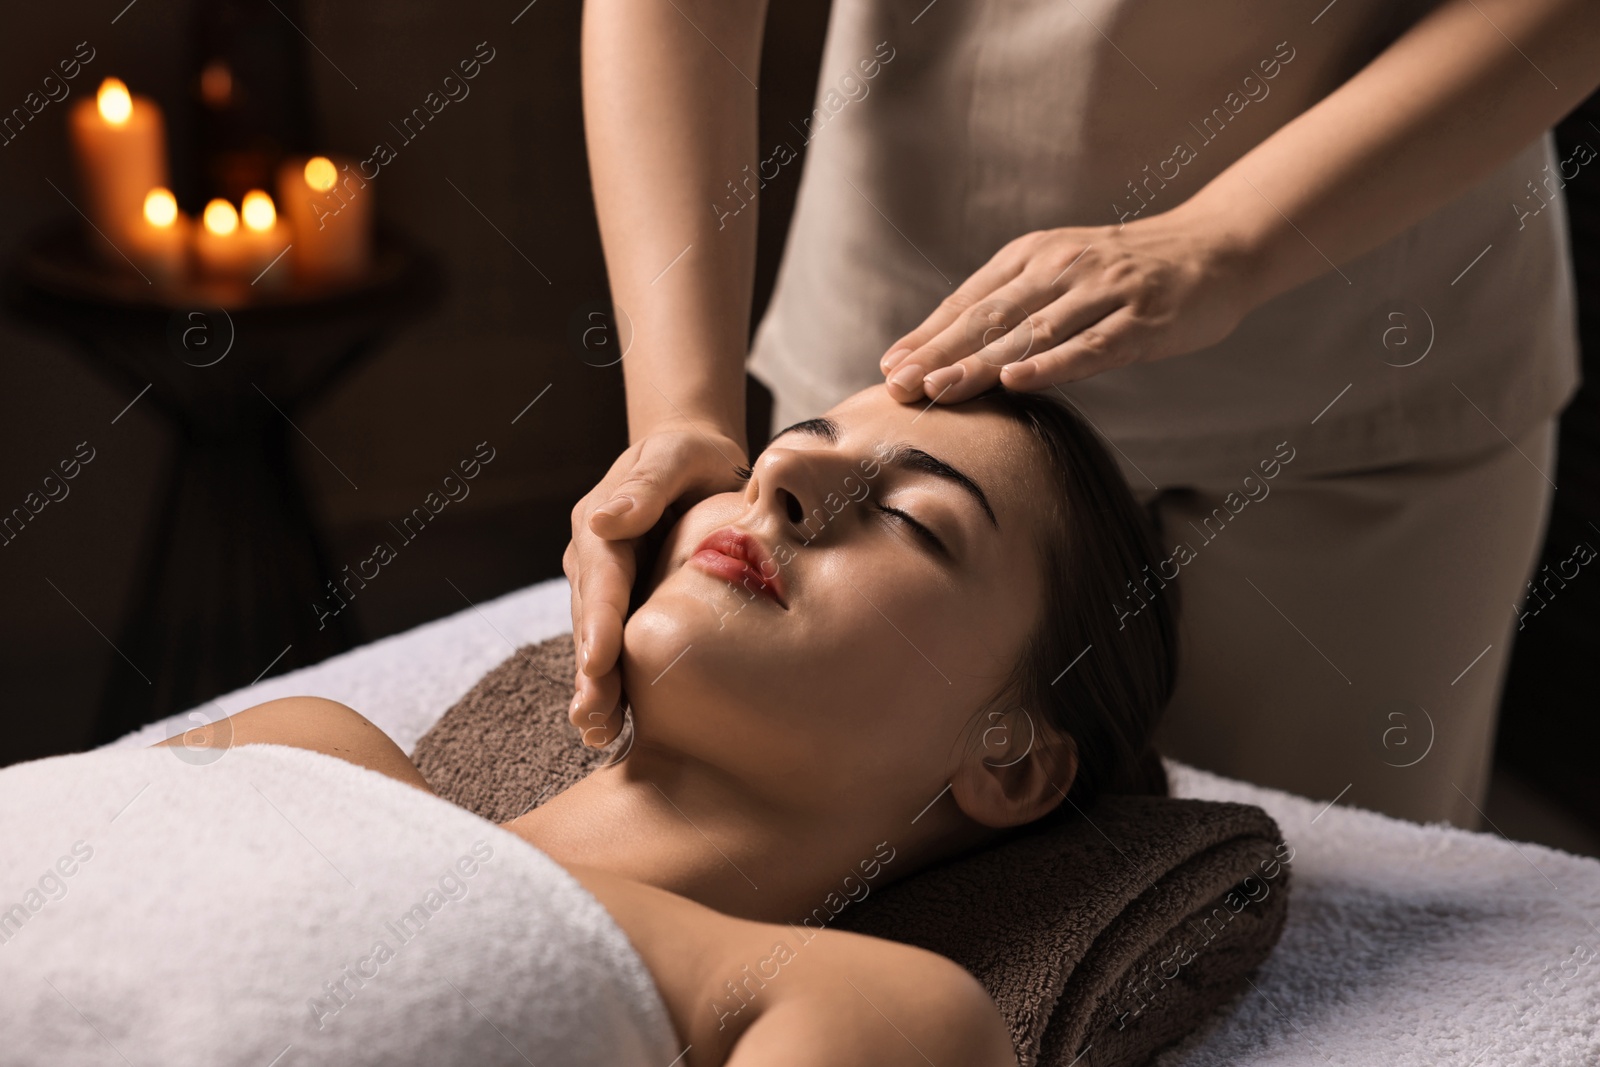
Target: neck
(664,819)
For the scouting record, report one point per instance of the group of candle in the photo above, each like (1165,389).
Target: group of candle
(120,144)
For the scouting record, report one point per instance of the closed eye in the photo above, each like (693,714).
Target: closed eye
(928,537)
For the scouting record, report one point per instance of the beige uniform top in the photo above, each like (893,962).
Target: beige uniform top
(943,130)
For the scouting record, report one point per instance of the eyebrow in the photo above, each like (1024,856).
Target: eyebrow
(902,457)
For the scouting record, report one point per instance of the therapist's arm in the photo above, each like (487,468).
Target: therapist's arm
(1461,91)
(669,110)
(670,119)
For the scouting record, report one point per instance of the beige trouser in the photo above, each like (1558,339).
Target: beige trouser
(1347,635)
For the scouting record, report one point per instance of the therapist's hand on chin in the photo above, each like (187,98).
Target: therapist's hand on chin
(677,462)
(1054,306)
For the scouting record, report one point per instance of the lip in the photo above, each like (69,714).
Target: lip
(740,558)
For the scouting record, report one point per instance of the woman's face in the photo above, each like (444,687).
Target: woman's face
(860,600)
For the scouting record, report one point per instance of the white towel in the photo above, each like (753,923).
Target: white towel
(281,907)
(1412,945)
(1406,945)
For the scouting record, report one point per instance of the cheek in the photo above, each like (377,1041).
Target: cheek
(886,637)
(928,644)
(654,635)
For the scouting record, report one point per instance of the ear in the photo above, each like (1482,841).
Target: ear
(1017,770)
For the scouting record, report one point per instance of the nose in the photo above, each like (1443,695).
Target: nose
(797,485)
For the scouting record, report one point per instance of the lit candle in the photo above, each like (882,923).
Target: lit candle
(159,246)
(263,239)
(121,148)
(329,208)
(217,245)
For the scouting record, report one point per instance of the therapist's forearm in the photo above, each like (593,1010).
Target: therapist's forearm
(1445,104)
(669,122)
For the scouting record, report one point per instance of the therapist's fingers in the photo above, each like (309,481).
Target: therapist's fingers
(605,576)
(604,584)
(680,463)
(992,323)
(600,574)
(569,566)
(606,591)
(1032,271)
(607,564)
(636,502)
(1115,341)
(1000,269)
(670,467)
(1039,332)
(605,573)
(597,709)
(1084,300)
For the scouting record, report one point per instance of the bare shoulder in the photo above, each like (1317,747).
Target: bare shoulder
(747,993)
(314,723)
(869,1001)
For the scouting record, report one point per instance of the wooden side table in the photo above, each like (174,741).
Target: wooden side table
(233,563)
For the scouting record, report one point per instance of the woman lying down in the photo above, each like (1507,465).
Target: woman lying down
(897,643)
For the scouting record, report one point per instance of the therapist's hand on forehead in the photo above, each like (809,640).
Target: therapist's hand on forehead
(1054,306)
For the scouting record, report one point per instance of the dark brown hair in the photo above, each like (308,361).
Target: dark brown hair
(1098,544)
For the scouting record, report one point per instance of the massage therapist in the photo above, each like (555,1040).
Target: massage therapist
(1304,264)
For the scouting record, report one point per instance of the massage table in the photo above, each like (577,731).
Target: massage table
(1406,944)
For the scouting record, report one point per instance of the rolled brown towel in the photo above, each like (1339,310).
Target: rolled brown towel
(1102,937)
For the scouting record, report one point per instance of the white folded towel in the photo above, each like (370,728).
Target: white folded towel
(280,907)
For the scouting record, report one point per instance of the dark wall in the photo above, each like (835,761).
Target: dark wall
(519,261)
(1549,729)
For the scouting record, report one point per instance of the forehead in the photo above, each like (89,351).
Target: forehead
(995,450)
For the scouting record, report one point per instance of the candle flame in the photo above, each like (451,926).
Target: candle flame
(114,102)
(160,209)
(216,83)
(220,218)
(320,173)
(259,214)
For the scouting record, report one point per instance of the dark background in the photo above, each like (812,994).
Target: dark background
(496,331)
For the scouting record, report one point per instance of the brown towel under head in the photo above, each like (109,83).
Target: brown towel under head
(1102,938)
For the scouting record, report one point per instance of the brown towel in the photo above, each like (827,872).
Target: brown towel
(1102,938)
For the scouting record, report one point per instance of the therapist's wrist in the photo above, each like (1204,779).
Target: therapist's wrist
(1242,241)
(687,374)
(658,398)
(712,426)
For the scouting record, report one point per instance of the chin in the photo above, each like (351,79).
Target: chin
(691,639)
(653,636)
